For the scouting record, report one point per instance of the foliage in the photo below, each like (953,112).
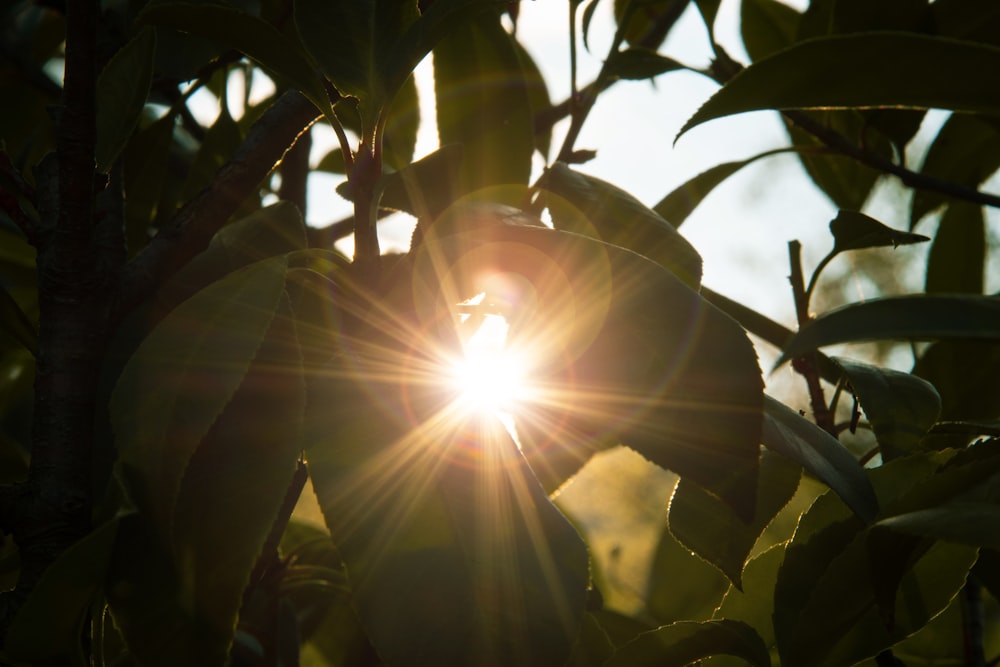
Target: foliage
(207,367)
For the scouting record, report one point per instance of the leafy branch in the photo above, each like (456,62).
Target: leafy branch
(190,230)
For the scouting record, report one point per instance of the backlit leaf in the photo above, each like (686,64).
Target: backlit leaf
(822,455)
(901,407)
(122,88)
(623,361)
(181,378)
(753,605)
(825,613)
(910,317)
(426,187)
(685,642)
(271,231)
(707,527)
(681,586)
(454,553)
(861,71)
(483,103)
(236,481)
(589,206)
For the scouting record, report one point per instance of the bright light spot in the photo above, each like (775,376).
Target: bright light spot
(491,379)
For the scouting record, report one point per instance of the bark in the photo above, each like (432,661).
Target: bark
(51,509)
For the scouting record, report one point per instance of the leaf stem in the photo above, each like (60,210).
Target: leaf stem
(581,102)
(806,365)
(807,297)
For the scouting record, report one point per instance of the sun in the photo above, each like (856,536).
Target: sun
(490,378)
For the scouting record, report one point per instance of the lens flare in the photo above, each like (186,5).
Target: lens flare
(490,378)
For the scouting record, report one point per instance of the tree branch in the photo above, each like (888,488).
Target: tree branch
(51,509)
(916,180)
(190,230)
(807,365)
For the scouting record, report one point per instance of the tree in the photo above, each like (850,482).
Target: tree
(198,356)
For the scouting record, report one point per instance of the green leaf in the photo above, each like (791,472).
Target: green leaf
(235,483)
(957,260)
(455,555)
(972,523)
(963,371)
(840,623)
(593,647)
(965,151)
(269,232)
(706,526)
(863,70)
(51,623)
(538,95)
(623,361)
(708,10)
(589,206)
(438,20)
(843,179)
(910,317)
(16,323)
(646,25)
(754,605)
(401,127)
(350,41)
(901,407)
(822,455)
(122,88)
(277,53)
(830,590)
(853,230)
(681,585)
(588,17)
(684,199)
(181,378)
(685,642)
(637,63)
(483,103)
(767,26)
(426,187)
(828,17)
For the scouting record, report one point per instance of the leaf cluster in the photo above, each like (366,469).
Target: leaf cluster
(246,369)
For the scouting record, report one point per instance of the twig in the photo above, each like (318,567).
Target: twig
(835,140)
(190,230)
(295,172)
(579,104)
(806,365)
